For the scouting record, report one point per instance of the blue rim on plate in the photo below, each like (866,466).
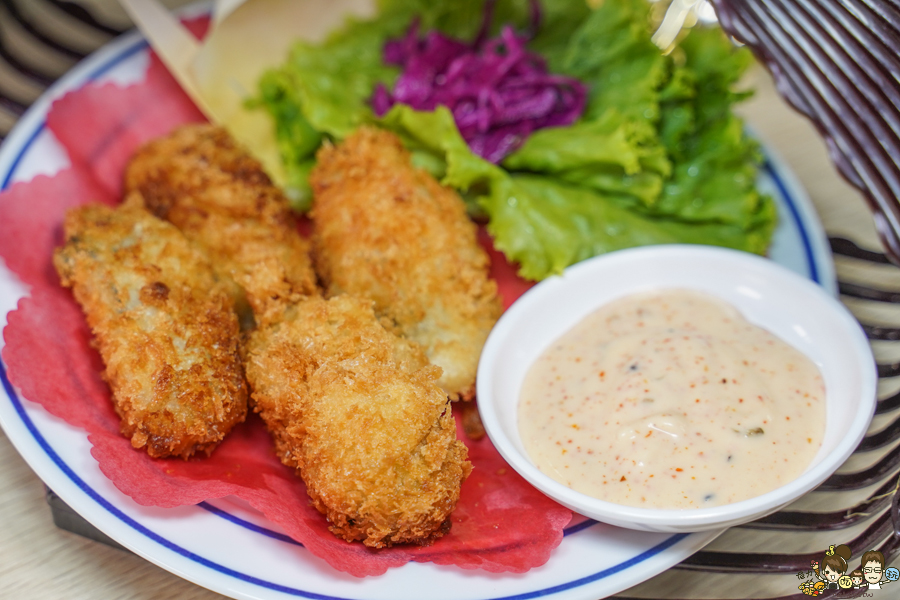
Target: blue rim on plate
(816,264)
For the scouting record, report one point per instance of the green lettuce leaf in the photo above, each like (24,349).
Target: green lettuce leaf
(323,91)
(606,140)
(545,225)
(657,157)
(607,154)
(611,51)
(714,178)
(435,134)
(460,18)
(335,80)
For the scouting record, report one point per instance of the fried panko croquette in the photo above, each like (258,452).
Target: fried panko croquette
(164,326)
(388,231)
(201,181)
(357,411)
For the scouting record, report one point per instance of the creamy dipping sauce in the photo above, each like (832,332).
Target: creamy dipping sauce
(671,400)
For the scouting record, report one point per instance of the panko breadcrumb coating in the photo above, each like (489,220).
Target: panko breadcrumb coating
(357,411)
(200,180)
(354,408)
(164,326)
(388,231)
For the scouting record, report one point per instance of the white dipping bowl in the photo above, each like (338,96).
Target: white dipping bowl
(793,308)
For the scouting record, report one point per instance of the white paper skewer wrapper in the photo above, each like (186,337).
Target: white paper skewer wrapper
(246,37)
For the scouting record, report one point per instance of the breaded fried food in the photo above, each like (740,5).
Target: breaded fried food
(357,411)
(388,231)
(201,181)
(164,326)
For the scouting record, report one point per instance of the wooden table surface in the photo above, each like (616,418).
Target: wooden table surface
(39,561)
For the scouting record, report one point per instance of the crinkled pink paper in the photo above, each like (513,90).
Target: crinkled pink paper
(501,523)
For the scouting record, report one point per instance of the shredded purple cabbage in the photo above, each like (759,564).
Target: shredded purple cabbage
(498,91)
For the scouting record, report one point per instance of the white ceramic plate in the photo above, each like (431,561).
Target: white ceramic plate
(228,547)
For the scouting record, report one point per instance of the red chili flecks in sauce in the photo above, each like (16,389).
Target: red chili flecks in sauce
(674,368)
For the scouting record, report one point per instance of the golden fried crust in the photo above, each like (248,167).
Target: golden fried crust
(163,324)
(200,180)
(357,412)
(390,232)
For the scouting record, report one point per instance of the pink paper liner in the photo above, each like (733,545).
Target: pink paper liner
(502,524)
